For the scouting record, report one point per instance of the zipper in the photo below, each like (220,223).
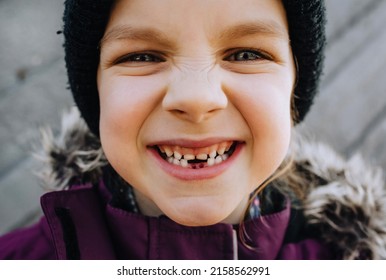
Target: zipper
(235,245)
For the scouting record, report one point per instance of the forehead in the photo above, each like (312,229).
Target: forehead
(194,18)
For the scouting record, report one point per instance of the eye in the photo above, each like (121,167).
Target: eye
(247,55)
(139,58)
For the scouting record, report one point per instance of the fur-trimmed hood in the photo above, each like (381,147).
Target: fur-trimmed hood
(344,199)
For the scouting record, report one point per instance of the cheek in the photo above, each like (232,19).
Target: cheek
(263,100)
(264,103)
(126,103)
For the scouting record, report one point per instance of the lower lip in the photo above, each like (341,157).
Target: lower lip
(188,174)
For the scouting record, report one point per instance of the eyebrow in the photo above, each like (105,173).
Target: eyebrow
(267,28)
(125,32)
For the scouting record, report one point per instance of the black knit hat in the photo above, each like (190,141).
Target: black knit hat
(84,26)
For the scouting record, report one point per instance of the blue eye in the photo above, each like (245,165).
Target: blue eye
(247,55)
(144,58)
(139,58)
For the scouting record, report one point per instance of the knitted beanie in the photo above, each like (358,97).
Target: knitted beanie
(84,26)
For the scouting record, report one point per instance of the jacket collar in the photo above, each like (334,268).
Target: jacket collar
(84,226)
(78,229)
(161,238)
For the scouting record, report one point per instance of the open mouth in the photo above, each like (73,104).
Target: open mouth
(197,158)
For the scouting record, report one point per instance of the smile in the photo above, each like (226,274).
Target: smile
(196,163)
(197,158)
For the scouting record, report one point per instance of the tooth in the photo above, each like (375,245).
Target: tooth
(210,161)
(184,163)
(189,157)
(224,157)
(221,150)
(202,156)
(229,145)
(177,155)
(218,159)
(161,149)
(176,162)
(168,151)
(170,159)
(212,154)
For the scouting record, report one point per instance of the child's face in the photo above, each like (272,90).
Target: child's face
(197,78)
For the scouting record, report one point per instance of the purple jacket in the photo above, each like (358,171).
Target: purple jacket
(80,224)
(339,212)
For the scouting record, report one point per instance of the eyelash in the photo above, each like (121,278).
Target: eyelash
(140,58)
(147,57)
(248,55)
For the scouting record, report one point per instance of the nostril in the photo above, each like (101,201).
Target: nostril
(193,101)
(178,112)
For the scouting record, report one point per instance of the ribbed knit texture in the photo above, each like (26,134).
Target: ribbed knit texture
(306,21)
(84,25)
(85,21)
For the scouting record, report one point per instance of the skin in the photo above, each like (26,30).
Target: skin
(189,71)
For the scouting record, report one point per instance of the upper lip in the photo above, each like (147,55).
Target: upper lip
(189,143)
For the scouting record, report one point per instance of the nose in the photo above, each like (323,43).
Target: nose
(194,98)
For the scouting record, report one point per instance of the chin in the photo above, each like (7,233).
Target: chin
(198,216)
(193,222)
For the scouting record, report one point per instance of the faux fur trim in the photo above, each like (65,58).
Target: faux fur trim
(344,200)
(73,157)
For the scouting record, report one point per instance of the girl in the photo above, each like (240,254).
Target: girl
(190,106)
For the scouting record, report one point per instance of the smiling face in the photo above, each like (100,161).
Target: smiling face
(195,102)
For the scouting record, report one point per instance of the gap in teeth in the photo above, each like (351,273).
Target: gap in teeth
(175,155)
